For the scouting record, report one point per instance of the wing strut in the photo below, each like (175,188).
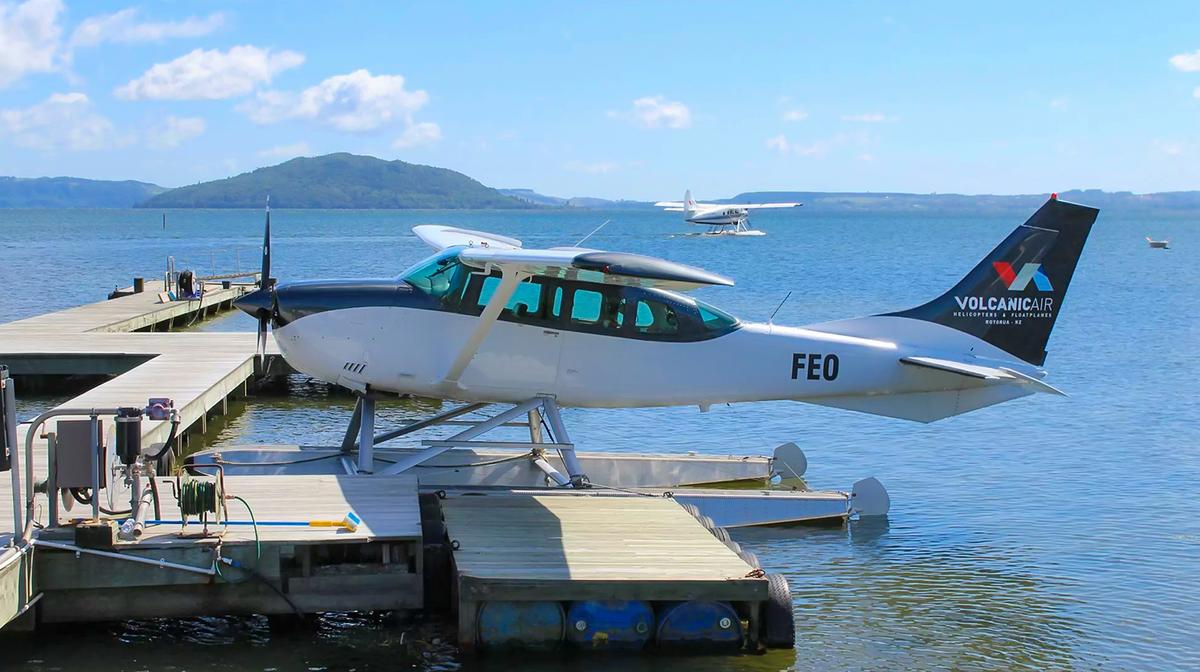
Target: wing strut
(509,280)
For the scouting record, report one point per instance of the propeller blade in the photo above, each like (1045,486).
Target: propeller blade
(266,250)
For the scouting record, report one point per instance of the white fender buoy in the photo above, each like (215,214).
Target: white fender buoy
(789,461)
(870,498)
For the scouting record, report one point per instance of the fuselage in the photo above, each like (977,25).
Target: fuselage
(724,215)
(586,344)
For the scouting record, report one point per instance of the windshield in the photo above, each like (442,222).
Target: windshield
(441,277)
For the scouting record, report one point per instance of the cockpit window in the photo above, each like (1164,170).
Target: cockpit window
(442,277)
(655,317)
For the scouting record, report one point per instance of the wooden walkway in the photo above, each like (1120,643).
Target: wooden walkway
(199,371)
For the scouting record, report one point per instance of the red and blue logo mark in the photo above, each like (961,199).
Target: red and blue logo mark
(1018,281)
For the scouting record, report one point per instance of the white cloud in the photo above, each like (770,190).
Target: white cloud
(795,115)
(210,75)
(355,102)
(1196,93)
(424,133)
(1187,62)
(593,168)
(1059,103)
(124,27)
(819,148)
(1169,148)
(868,118)
(29,39)
(287,151)
(174,131)
(657,112)
(62,121)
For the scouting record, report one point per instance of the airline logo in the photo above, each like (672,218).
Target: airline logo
(1018,281)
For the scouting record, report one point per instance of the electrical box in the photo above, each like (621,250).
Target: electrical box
(73,456)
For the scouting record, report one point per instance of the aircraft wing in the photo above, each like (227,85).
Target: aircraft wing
(440,237)
(613,268)
(679,205)
(755,206)
(989,374)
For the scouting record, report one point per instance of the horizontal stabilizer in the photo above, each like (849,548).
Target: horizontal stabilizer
(999,374)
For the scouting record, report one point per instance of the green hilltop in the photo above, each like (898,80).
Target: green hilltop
(339,181)
(72,192)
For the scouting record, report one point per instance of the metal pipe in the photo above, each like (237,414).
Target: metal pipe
(209,571)
(95,427)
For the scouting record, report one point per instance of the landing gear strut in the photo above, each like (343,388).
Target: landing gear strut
(541,413)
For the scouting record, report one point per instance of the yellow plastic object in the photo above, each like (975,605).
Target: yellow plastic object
(350,522)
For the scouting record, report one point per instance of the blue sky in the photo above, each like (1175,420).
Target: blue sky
(634,100)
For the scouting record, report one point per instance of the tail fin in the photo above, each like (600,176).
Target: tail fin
(689,203)
(1012,298)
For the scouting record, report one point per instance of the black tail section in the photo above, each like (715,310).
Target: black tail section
(1012,298)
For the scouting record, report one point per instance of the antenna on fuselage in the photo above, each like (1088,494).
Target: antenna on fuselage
(771,320)
(593,232)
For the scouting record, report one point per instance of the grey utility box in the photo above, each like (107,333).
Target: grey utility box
(72,454)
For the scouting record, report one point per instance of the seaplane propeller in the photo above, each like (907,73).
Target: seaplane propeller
(261,302)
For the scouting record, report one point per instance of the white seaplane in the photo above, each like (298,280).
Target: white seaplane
(722,220)
(485,320)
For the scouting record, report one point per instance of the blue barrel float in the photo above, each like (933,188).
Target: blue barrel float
(619,625)
(519,626)
(698,624)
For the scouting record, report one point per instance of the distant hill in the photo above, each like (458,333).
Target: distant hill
(534,198)
(339,181)
(72,192)
(585,202)
(962,203)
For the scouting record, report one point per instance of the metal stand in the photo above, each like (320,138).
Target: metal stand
(536,410)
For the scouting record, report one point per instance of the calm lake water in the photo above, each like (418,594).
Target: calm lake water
(1045,533)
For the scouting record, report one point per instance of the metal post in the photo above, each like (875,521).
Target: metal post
(352,428)
(570,461)
(52,476)
(10,429)
(95,467)
(366,435)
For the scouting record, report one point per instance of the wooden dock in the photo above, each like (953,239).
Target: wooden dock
(376,566)
(137,312)
(517,546)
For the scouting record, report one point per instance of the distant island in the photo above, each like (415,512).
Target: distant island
(73,192)
(352,181)
(339,181)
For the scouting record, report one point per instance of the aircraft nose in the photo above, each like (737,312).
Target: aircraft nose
(257,303)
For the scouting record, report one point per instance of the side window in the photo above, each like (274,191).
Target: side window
(525,302)
(523,305)
(586,307)
(654,317)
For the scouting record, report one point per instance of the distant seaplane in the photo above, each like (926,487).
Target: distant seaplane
(722,220)
(487,321)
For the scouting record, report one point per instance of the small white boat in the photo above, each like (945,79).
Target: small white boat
(1158,244)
